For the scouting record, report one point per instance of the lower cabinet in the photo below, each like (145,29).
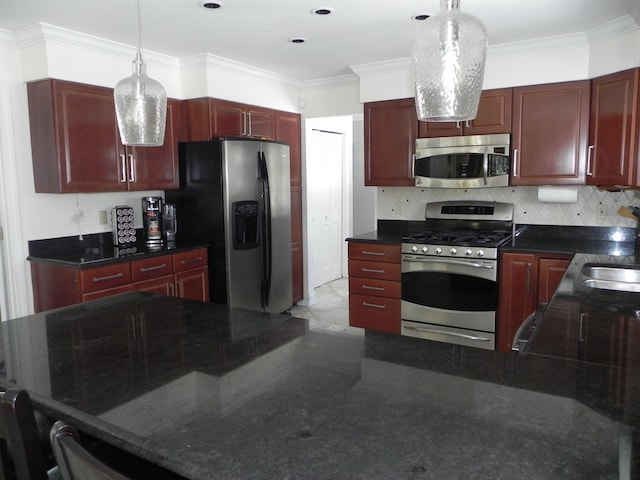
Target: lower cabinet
(526,280)
(374,286)
(183,274)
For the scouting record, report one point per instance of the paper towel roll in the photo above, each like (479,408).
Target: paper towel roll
(558,194)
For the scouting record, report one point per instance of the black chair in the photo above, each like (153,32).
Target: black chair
(22,451)
(74,461)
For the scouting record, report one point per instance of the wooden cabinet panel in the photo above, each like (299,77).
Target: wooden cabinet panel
(108,276)
(494,116)
(152,267)
(193,284)
(76,145)
(374,252)
(189,260)
(297,268)
(380,270)
(288,131)
(374,287)
(109,292)
(526,280)
(613,143)
(162,286)
(390,130)
(374,313)
(550,132)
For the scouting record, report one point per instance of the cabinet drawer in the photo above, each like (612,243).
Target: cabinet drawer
(101,278)
(375,313)
(374,252)
(153,267)
(380,270)
(110,292)
(375,287)
(189,260)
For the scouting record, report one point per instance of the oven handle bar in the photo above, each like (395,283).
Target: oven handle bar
(442,332)
(449,260)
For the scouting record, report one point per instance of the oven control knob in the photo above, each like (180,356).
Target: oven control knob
(425,249)
(480,253)
(454,251)
(414,249)
(438,250)
(468,252)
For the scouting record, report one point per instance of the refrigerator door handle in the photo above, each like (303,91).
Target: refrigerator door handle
(266,230)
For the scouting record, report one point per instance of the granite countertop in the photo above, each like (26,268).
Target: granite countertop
(209,391)
(97,249)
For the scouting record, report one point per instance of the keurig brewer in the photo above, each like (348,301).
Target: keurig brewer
(152,220)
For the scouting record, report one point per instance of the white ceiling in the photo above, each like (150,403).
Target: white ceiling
(256,32)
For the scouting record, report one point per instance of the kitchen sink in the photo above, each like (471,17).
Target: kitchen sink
(607,276)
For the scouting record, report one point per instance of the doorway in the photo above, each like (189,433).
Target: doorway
(328,151)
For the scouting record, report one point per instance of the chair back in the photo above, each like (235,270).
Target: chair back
(21,452)
(74,461)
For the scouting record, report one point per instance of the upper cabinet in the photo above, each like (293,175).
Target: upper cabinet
(494,116)
(206,118)
(390,130)
(549,133)
(76,145)
(613,143)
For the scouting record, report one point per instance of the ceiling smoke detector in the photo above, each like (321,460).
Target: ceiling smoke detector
(322,11)
(211,5)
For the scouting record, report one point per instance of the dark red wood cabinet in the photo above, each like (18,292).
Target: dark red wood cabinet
(494,116)
(525,281)
(550,127)
(76,144)
(613,140)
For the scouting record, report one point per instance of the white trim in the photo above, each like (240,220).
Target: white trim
(14,299)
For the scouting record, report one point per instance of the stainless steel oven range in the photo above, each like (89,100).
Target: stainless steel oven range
(450,272)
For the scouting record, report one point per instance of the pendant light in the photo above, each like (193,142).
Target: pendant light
(448,58)
(141,104)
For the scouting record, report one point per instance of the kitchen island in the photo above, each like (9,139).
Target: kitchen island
(208,391)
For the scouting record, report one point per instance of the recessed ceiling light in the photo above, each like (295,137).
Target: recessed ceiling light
(297,40)
(422,16)
(211,5)
(322,11)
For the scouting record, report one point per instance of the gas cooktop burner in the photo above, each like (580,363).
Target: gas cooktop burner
(472,238)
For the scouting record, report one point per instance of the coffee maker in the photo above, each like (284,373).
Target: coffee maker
(152,220)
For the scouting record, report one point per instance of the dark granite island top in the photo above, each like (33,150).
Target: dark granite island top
(210,392)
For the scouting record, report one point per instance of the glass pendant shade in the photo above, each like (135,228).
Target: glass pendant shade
(141,105)
(448,59)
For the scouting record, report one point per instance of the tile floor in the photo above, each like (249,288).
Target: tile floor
(331,309)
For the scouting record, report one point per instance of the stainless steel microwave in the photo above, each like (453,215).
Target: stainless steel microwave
(467,161)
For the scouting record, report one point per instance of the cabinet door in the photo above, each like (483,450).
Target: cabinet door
(162,286)
(550,272)
(494,116)
(390,129)
(227,118)
(74,138)
(296,244)
(550,132)
(193,284)
(612,144)
(517,295)
(259,122)
(108,292)
(156,168)
(375,313)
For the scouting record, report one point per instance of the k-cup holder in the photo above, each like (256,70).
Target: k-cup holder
(122,222)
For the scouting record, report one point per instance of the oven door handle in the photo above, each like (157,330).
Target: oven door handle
(451,261)
(443,332)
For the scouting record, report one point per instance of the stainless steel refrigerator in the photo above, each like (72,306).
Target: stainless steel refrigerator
(234,194)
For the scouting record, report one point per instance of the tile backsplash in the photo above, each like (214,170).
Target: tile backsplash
(408,203)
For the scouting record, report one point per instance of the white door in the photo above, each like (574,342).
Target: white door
(324,211)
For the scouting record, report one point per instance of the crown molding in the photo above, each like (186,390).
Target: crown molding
(614,28)
(391,65)
(539,45)
(7,38)
(208,61)
(333,82)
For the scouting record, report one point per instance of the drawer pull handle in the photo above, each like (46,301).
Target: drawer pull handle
(369,287)
(191,260)
(374,305)
(372,270)
(377,254)
(156,267)
(108,277)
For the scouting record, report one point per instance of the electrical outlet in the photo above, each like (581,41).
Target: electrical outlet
(102,217)
(398,208)
(601,212)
